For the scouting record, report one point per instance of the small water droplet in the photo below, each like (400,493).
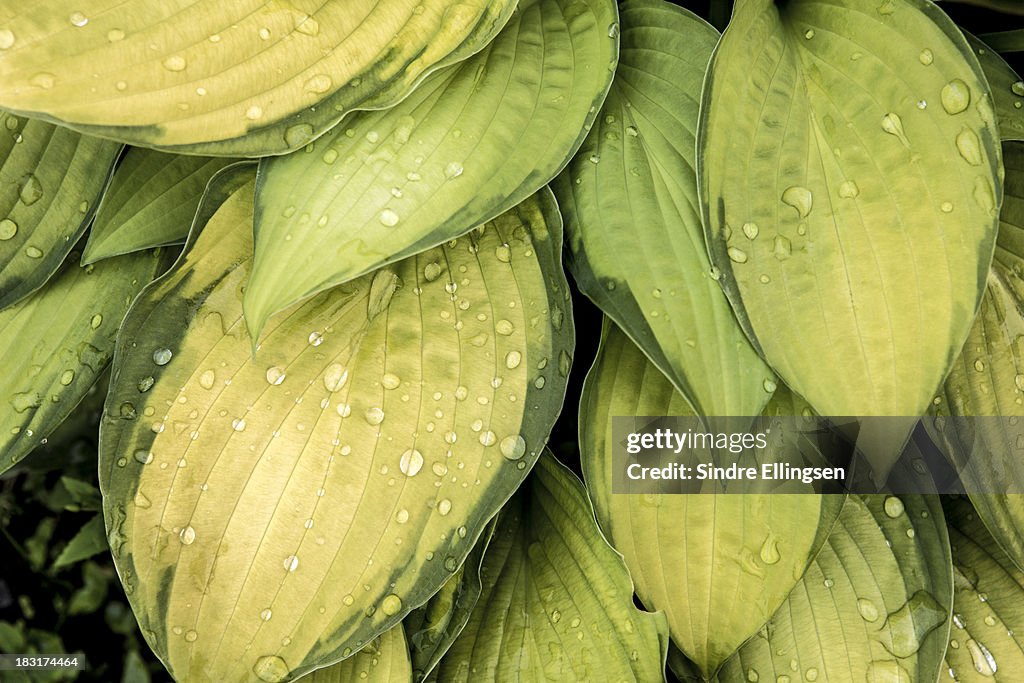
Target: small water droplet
(769,385)
(782,248)
(809,33)
(737,255)
(504,327)
(770,550)
(613,30)
(374,415)
(955,96)
(187,536)
(800,198)
(983,194)
(291,563)
(867,610)
(335,377)
(67,377)
(388,218)
(275,375)
(6,39)
(8,229)
(31,190)
(926,57)
(175,63)
(946,207)
(893,125)
(893,506)
(969,146)
(143,456)
(750,230)
(298,135)
(453,170)
(848,190)
(254,112)
(43,80)
(33,252)
(411,462)
(238,424)
(162,356)
(78,19)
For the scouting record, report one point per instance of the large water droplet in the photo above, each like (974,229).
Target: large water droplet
(800,198)
(750,230)
(983,661)
(187,536)
(909,625)
(926,57)
(955,96)
(391,605)
(969,146)
(411,462)
(275,375)
(335,377)
(867,610)
(374,415)
(8,229)
(162,356)
(893,506)
(513,447)
(271,669)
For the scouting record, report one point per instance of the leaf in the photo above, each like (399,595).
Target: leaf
(987,379)
(717,565)
(150,203)
(861,141)
(384,660)
(988,611)
(629,197)
(271,514)
(55,343)
(557,600)
(232,79)
(1007,89)
(90,540)
(468,144)
(1005,41)
(434,626)
(53,179)
(873,606)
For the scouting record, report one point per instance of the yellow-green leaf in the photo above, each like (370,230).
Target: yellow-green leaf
(718,565)
(629,197)
(150,202)
(557,602)
(873,606)
(56,342)
(52,181)
(861,141)
(1007,89)
(246,78)
(987,380)
(985,643)
(469,143)
(269,514)
(384,660)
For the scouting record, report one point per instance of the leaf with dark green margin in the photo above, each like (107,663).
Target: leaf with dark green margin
(468,144)
(150,202)
(1007,89)
(245,78)
(629,199)
(271,514)
(557,602)
(1005,41)
(55,343)
(985,643)
(718,565)
(987,380)
(433,627)
(860,139)
(90,540)
(873,606)
(384,660)
(52,181)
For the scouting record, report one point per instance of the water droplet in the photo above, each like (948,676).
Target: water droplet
(30,191)
(96,321)
(769,385)
(444,507)
(867,610)
(488,438)
(770,550)
(67,377)
(453,170)
(411,462)
(162,356)
(175,63)
(750,230)
(8,229)
(6,39)
(504,327)
(513,447)
(946,207)
(613,30)
(254,112)
(335,377)
(809,33)
(983,195)
(893,125)
(955,96)
(43,80)
(271,669)
(187,536)
(374,415)
(979,365)
(909,625)
(799,198)
(893,506)
(143,456)
(298,135)
(315,339)
(848,190)
(391,605)
(145,384)
(115,35)
(33,252)
(753,676)
(266,614)
(388,218)
(513,359)
(983,661)
(737,255)
(275,375)
(969,146)
(78,19)
(926,57)
(238,424)
(291,563)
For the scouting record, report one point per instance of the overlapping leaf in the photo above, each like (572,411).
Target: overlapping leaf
(873,606)
(985,643)
(468,144)
(270,514)
(245,78)
(1007,90)
(850,180)
(987,380)
(633,218)
(52,181)
(718,565)
(557,602)
(56,342)
(150,202)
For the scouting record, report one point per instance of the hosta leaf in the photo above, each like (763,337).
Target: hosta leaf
(56,342)
(873,606)
(1007,89)
(270,514)
(90,540)
(987,379)
(150,202)
(52,180)
(557,602)
(245,78)
(988,603)
(717,565)
(630,197)
(1005,41)
(384,660)
(434,626)
(468,144)
(860,139)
